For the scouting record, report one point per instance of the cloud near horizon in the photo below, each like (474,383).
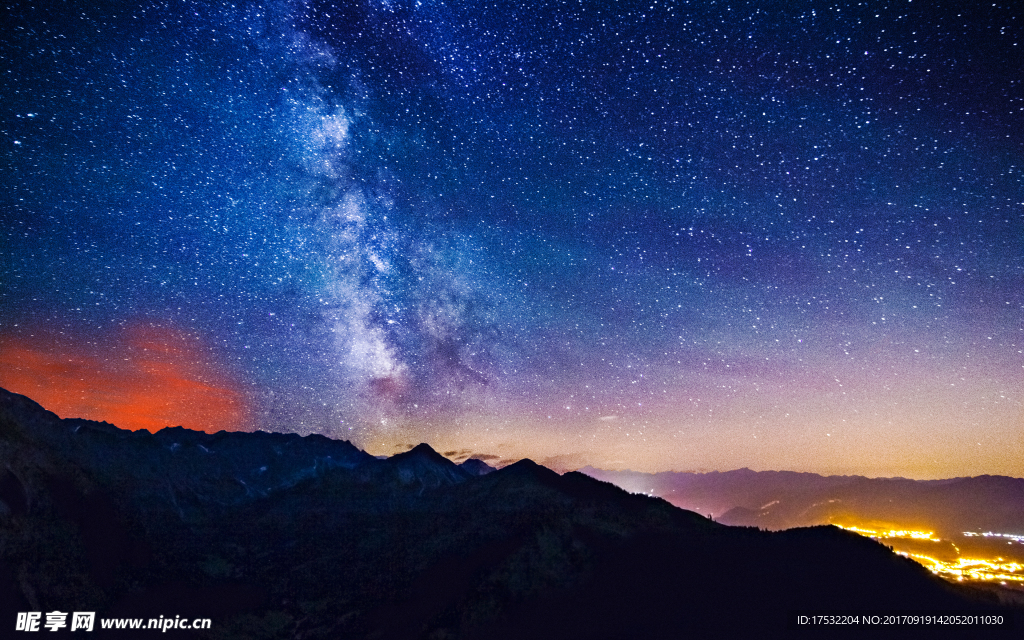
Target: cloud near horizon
(147,377)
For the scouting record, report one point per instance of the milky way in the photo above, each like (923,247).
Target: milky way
(657,235)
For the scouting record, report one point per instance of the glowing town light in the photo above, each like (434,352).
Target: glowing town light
(894,533)
(1013,537)
(962,568)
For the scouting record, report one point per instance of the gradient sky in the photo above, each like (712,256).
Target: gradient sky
(650,235)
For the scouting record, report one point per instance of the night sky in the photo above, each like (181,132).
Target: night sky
(649,235)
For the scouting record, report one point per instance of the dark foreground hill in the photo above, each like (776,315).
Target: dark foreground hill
(282,536)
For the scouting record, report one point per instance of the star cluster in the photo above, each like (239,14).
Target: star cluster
(656,235)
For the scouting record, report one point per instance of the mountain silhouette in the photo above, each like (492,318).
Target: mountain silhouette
(283,536)
(477,467)
(786,499)
(426,468)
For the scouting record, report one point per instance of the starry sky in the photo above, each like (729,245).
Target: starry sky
(658,235)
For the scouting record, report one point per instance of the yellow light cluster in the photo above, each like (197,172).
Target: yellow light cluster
(1013,537)
(916,535)
(864,532)
(972,568)
(961,569)
(894,533)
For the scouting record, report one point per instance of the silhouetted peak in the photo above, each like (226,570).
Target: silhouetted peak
(422,451)
(16,400)
(424,466)
(528,469)
(477,467)
(523,464)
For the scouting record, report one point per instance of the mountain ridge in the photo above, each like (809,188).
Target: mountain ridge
(780,499)
(340,544)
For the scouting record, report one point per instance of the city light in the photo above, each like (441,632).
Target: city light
(971,568)
(1012,537)
(962,568)
(894,533)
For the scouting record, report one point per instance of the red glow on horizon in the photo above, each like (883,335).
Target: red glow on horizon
(149,378)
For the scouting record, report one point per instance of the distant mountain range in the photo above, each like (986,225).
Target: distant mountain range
(785,499)
(283,536)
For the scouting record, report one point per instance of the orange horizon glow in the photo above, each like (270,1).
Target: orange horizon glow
(148,377)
